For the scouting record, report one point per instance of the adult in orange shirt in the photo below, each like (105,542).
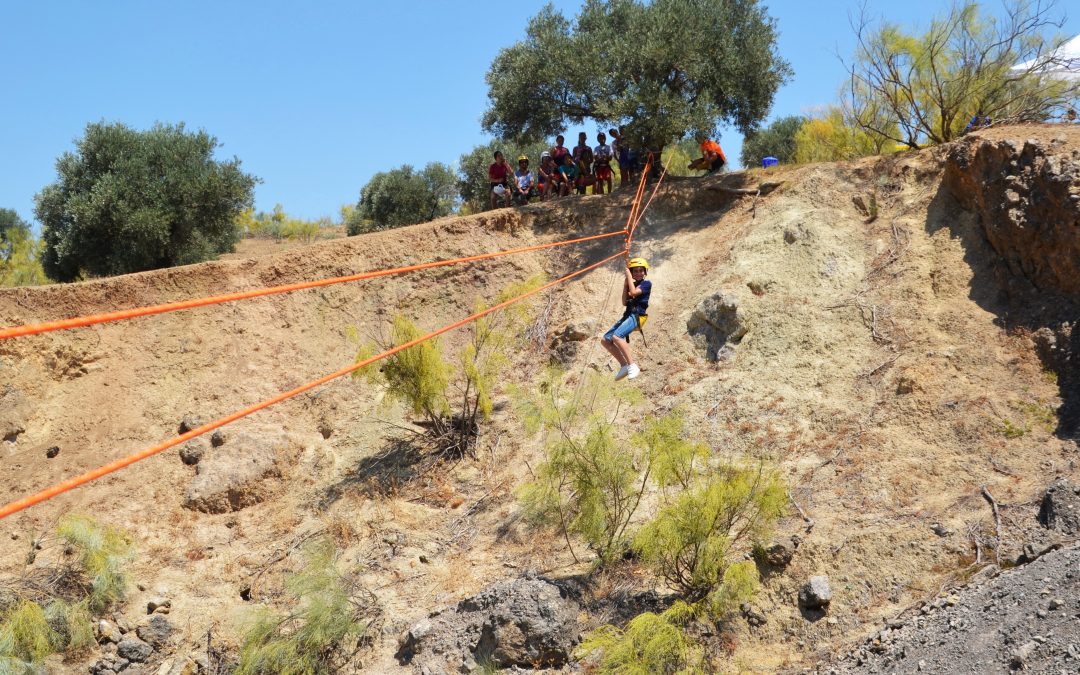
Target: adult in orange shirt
(712,157)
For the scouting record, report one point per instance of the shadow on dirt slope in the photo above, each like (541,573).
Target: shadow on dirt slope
(1015,280)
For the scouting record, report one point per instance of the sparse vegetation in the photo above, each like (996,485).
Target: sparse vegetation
(424,379)
(102,553)
(590,485)
(320,634)
(650,643)
(919,89)
(56,616)
(279,225)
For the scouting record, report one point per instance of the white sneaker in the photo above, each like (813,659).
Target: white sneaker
(623,372)
(632,371)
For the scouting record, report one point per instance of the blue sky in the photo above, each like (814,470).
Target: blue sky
(313,97)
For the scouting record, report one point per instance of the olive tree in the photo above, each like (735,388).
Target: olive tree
(129,200)
(404,196)
(660,69)
(776,140)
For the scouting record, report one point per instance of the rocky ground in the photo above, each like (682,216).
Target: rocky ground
(858,327)
(1023,618)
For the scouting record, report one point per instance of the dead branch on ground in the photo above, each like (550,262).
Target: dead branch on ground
(997,522)
(761,189)
(807,519)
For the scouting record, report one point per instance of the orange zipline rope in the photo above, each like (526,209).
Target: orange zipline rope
(76,322)
(94,474)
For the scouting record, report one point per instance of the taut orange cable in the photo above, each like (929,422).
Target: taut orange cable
(94,474)
(63,324)
(633,228)
(635,208)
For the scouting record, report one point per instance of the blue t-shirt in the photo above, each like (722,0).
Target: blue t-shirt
(640,304)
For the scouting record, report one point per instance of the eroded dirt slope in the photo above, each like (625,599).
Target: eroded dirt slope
(880,369)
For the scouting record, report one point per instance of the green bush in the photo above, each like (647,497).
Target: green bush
(422,378)
(30,631)
(776,140)
(25,638)
(589,485)
(650,643)
(129,200)
(317,634)
(20,252)
(102,552)
(693,539)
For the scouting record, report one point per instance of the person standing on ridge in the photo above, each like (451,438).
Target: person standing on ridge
(635,296)
(602,156)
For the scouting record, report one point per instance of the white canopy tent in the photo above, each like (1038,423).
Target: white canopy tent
(1063,64)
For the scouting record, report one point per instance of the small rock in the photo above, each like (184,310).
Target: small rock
(940,530)
(952,600)
(134,649)
(832,621)
(218,438)
(233,481)
(53,451)
(190,422)
(326,430)
(1042,613)
(815,593)
(193,451)
(1022,653)
(155,632)
(1056,603)
(574,333)
(779,553)
(157,604)
(14,536)
(122,623)
(424,559)
(753,615)
(106,631)
(716,325)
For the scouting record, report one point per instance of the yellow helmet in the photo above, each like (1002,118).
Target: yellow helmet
(523,158)
(638,262)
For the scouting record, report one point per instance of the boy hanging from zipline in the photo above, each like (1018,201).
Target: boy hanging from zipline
(635,296)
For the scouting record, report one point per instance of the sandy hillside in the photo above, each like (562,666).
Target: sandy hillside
(879,371)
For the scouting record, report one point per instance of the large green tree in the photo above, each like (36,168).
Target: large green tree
(776,140)
(404,196)
(661,69)
(129,200)
(919,89)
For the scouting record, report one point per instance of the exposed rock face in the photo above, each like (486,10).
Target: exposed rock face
(523,622)
(1060,508)
(1027,198)
(716,325)
(1028,201)
(230,481)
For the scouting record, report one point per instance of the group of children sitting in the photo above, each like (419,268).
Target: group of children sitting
(563,171)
